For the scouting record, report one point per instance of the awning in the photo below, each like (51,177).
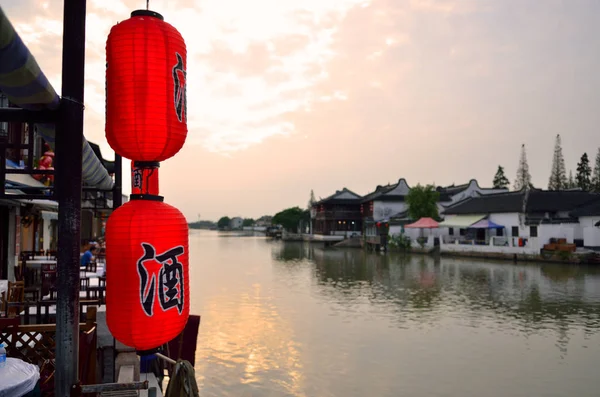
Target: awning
(486,224)
(49,215)
(22,81)
(423,223)
(461,221)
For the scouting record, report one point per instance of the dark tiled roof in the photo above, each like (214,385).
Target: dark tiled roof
(539,201)
(381,193)
(334,200)
(588,209)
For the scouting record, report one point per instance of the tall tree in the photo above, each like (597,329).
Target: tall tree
(558,173)
(422,202)
(312,199)
(571,184)
(248,222)
(290,218)
(523,176)
(596,175)
(500,180)
(584,173)
(223,223)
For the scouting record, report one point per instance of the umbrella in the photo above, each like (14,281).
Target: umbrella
(485,224)
(423,223)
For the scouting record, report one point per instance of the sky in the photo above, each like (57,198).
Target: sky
(287,96)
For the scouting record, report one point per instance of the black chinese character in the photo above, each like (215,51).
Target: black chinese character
(137,178)
(171,291)
(180,90)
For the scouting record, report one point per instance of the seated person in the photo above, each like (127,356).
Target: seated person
(86,258)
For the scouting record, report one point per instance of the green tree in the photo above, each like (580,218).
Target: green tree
(422,202)
(523,176)
(248,222)
(571,184)
(558,173)
(223,222)
(584,173)
(596,174)
(290,218)
(500,180)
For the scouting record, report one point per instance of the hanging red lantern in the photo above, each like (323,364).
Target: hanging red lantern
(147,278)
(378,224)
(146,105)
(144,178)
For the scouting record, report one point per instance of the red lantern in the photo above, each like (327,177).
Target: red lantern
(378,224)
(146,106)
(144,178)
(147,278)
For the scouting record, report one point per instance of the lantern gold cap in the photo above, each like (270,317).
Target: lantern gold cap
(147,13)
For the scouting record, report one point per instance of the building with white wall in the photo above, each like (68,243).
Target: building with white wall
(529,219)
(589,222)
(236,223)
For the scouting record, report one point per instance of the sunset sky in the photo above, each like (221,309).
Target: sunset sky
(288,96)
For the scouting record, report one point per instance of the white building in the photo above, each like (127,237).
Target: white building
(236,223)
(529,221)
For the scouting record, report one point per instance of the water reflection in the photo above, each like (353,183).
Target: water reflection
(547,296)
(294,319)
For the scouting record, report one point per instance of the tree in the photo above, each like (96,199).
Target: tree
(290,218)
(584,173)
(422,202)
(248,222)
(596,175)
(223,222)
(571,184)
(312,200)
(523,175)
(500,180)
(558,172)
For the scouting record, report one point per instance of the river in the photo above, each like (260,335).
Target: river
(294,319)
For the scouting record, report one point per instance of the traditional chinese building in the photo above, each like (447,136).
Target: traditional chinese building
(337,215)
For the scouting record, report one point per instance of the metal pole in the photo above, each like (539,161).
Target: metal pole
(69,143)
(118,189)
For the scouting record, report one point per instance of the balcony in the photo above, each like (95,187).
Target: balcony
(341,214)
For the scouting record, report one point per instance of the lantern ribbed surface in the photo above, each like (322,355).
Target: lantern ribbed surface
(146,241)
(146,101)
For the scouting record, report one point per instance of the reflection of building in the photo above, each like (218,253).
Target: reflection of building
(338,215)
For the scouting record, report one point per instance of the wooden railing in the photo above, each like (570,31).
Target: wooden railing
(36,344)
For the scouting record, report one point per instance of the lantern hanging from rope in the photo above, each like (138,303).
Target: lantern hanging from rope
(147,278)
(146,105)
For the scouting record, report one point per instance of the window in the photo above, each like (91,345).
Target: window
(463,232)
(451,231)
(515,231)
(499,232)
(533,231)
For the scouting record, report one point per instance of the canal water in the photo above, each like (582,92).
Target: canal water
(293,319)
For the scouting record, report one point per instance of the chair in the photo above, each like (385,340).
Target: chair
(91,267)
(48,277)
(183,347)
(8,332)
(84,283)
(14,294)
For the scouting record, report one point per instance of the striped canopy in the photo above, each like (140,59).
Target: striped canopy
(22,81)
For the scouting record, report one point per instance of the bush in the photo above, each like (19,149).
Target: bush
(400,241)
